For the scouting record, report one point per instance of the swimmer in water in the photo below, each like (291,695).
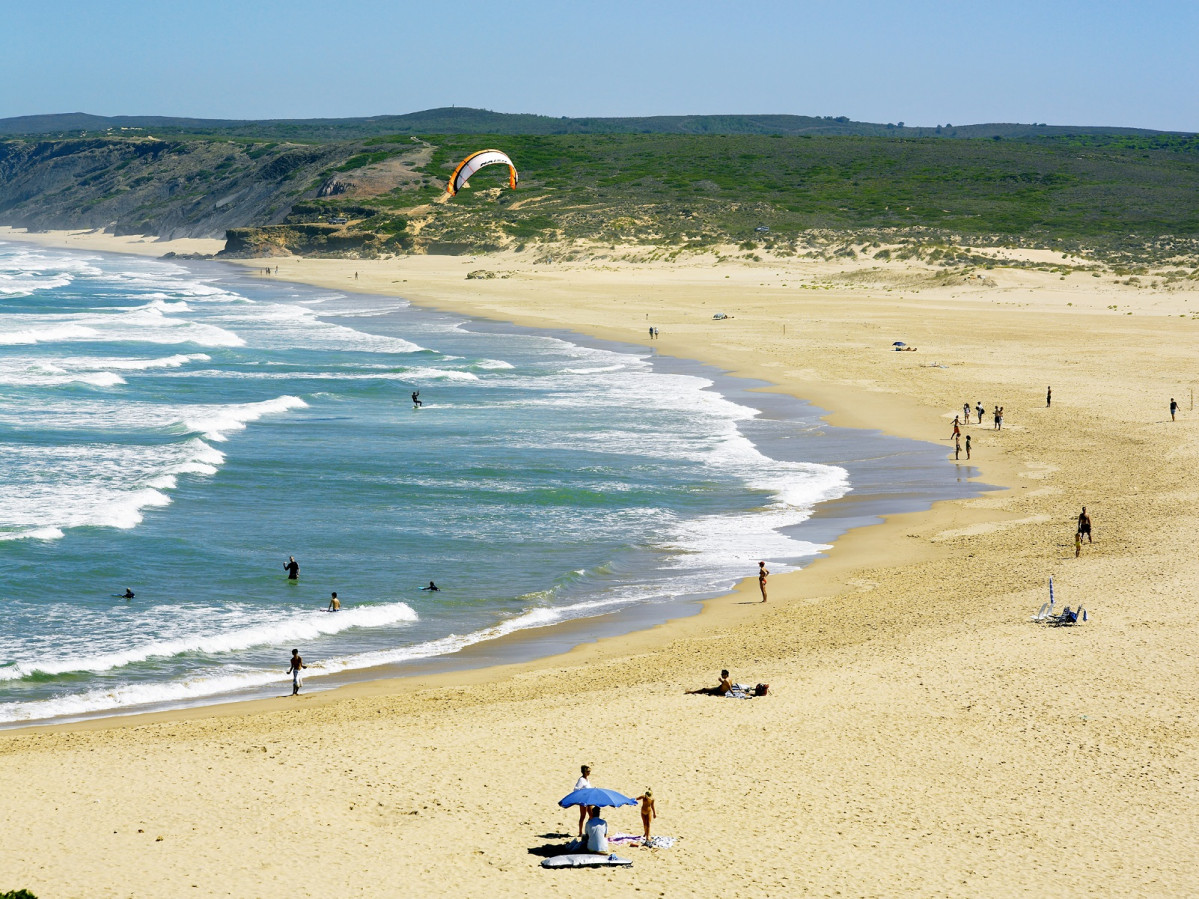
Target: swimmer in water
(432,587)
(334,603)
(128,594)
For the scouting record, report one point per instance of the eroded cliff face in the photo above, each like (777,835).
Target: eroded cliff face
(195,188)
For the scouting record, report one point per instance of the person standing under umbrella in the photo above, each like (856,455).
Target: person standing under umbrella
(583,784)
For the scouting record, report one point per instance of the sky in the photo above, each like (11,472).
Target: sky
(921,62)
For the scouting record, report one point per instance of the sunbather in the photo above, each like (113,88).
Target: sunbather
(723,689)
(1068,617)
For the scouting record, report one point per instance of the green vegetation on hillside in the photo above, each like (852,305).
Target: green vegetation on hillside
(1133,195)
(1116,194)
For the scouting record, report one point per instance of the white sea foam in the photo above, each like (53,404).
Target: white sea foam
(110,485)
(217,422)
(146,324)
(300,626)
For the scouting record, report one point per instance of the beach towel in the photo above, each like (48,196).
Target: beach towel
(586,861)
(629,839)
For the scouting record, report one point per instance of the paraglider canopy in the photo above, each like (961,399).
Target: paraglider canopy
(476,161)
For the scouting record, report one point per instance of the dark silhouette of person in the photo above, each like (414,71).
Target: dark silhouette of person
(416,398)
(432,587)
(128,594)
(1084,525)
(292,568)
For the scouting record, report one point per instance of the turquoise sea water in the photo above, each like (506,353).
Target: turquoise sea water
(181,429)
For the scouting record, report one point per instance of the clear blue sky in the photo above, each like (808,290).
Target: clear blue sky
(923,62)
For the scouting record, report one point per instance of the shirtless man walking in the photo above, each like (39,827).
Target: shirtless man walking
(297,665)
(1084,525)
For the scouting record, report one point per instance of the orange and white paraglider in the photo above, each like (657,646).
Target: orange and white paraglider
(476,161)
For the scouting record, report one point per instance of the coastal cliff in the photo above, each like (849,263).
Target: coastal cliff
(143,185)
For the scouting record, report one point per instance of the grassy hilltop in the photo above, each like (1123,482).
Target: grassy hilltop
(1122,192)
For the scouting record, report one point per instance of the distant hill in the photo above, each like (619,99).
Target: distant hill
(464,120)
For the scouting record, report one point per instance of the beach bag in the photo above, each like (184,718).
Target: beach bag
(761,689)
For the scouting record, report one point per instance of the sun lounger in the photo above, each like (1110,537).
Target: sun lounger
(586,860)
(1042,614)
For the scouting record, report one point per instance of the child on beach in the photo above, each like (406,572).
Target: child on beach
(648,811)
(297,665)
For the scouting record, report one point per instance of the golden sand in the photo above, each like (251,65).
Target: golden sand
(921,737)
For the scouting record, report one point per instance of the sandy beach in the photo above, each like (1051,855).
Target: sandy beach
(921,736)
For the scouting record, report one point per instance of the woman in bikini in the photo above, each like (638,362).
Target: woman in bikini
(762,573)
(648,812)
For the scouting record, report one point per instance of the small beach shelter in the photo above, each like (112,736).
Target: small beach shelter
(899,343)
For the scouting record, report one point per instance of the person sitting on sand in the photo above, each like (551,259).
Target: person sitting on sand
(1068,617)
(723,689)
(597,832)
(648,811)
(334,603)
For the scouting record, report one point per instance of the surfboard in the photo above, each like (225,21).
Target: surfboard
(586,860)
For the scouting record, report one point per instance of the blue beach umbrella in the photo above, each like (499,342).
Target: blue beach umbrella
(899,343)
(595,796)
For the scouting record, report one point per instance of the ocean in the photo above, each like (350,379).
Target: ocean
(180,429)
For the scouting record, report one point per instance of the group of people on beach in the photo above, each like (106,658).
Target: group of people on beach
(593,829)
(957,436)
(979,410)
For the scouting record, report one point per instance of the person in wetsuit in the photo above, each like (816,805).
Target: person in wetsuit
(433,588)
(416,398)
(292,568)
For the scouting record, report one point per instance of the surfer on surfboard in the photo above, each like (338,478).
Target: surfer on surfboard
(416,399)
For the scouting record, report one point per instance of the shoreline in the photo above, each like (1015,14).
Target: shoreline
(869,504)
(921,736)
